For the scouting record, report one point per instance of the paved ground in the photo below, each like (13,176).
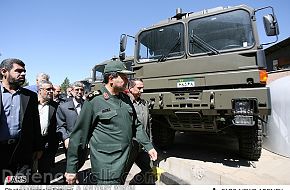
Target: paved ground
(84,171)
(270,169)
(210,160)
(203,159)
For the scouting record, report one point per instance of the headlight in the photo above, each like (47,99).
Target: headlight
(244,110)
(244,106)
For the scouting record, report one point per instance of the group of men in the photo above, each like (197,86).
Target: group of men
(109,121)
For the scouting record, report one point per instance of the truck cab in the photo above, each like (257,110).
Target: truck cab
(206,72)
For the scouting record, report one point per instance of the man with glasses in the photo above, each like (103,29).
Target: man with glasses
(47,113)
(68,112)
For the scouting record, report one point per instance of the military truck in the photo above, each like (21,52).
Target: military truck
(206,72)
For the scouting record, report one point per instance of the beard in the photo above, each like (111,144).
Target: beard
(16,82)
(120,88)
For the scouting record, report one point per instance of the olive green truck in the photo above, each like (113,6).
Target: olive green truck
(206,72)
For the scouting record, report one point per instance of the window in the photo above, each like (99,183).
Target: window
(220,32)
(161,43)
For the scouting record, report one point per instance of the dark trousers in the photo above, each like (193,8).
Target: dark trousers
(143,161)
(7,168)
(145,177)
(45,164)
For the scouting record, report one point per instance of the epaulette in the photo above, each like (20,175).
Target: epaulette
(93,94)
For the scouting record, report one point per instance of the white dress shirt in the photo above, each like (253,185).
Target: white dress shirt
(78,106)
(43,115)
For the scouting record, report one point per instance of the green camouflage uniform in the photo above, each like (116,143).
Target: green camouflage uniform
(108,122)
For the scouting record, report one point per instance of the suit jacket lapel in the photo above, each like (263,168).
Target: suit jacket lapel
(51,111)
(71,106)
(23,105)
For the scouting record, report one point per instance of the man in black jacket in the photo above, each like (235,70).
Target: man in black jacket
(20,137)
(47,112)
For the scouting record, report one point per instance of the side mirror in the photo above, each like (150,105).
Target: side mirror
(122,55)
(123,42)
(271,25)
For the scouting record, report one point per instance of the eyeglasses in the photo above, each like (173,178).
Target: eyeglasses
(47,89)
(78,89)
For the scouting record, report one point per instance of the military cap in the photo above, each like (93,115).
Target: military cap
(117,66)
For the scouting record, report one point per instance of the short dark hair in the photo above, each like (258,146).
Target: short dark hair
(107,75)
(132,82)
(8,64)
(78,84)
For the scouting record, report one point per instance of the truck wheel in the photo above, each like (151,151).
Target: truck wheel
(250,141)
(163,136)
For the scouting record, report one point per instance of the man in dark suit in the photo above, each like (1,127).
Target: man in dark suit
(47,112)
(20,137)
(67,112)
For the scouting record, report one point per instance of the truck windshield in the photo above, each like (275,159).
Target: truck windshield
(221,32)
(161,43)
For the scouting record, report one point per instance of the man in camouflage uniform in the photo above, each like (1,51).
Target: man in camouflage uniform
(108,121)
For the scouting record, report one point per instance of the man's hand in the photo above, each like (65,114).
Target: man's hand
(153,154)
(71,178)
(66,142)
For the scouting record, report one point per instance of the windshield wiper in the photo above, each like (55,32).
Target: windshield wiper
(164,56)
(204,44)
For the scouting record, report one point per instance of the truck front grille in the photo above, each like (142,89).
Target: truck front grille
(191,121)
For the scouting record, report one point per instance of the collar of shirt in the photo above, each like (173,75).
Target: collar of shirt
(4,90)
(43,104)
(76,104)
(139,101)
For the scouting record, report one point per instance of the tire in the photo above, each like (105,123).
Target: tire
(163,135)
(250,141)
